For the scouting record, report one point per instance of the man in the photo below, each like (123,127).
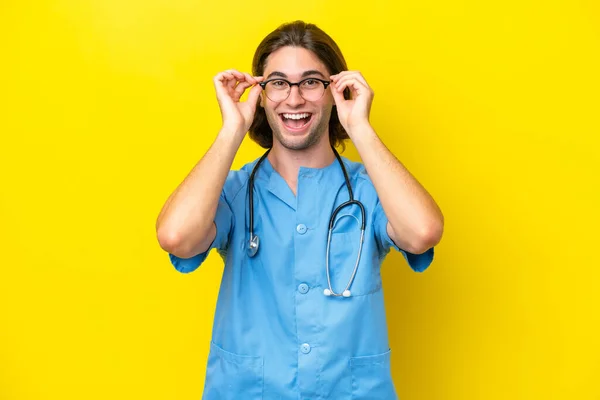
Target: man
(300,313)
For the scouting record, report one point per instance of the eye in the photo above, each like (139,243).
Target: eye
(279,84)
(310,83)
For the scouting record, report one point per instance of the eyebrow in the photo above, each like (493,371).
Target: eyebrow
(304,74)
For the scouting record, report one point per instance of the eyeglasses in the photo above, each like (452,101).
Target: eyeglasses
(311,89)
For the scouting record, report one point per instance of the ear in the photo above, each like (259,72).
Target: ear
(262,100)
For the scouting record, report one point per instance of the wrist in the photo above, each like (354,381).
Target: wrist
(237,133)
(359,129)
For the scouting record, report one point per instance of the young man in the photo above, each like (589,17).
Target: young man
(300,313)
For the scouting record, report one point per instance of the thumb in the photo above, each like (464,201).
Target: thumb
(338,97)
(253,94)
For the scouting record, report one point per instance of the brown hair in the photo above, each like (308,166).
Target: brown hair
(310,37)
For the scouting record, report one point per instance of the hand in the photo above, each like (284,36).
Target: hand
(355,111)
(230,85)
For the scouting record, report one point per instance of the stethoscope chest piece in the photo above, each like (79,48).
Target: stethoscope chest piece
(253,245)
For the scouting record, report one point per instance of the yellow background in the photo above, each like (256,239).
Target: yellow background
(106,105)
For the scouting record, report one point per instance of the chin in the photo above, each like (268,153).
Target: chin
(295,142)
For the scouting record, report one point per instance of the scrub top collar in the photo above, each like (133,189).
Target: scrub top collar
(329,176)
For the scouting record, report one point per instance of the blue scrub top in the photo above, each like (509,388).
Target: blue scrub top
(275,334)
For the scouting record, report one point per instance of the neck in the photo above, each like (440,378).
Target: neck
(287,162)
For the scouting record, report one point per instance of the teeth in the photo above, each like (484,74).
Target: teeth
(296,116)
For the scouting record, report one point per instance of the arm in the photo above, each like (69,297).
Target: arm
(185,226)
(415,221)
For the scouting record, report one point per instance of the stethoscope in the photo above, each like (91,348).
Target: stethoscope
(254,241)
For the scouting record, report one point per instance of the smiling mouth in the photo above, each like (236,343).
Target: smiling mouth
(296,121)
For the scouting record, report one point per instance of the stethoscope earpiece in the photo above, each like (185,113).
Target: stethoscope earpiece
(345,293)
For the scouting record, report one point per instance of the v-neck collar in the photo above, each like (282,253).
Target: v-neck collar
(330,176)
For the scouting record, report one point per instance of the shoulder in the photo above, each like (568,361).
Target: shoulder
(237,179)
(357,172)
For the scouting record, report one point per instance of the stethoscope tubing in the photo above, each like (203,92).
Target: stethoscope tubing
(253,243)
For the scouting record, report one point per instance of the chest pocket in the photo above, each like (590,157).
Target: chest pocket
(343,253)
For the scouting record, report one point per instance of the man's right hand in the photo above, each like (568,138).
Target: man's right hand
(230,85)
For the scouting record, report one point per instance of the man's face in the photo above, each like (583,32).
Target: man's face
(295,64)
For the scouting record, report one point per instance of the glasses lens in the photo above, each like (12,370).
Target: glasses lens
(277,90)
(312,89)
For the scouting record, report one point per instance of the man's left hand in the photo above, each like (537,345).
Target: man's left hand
(353,112)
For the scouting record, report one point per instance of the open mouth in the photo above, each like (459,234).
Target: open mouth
(296,122)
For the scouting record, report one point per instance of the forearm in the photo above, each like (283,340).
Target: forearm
(415,218)
(186,220)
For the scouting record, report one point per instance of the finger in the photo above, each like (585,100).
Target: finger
(351,82)
(240,89)
(236,73)
(232,82)
(355,86)
(338,97)
(340,75)
(223,76)
(360,78)
(249,78)
(352,74)
(253,95)
(355,74)
(223,79)
(234,76)
(221,83)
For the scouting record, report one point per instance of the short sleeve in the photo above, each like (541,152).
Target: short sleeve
(224,222)
(418,262)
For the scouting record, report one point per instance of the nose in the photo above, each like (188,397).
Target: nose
(294,97)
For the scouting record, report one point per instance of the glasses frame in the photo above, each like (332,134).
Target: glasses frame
(290,84)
